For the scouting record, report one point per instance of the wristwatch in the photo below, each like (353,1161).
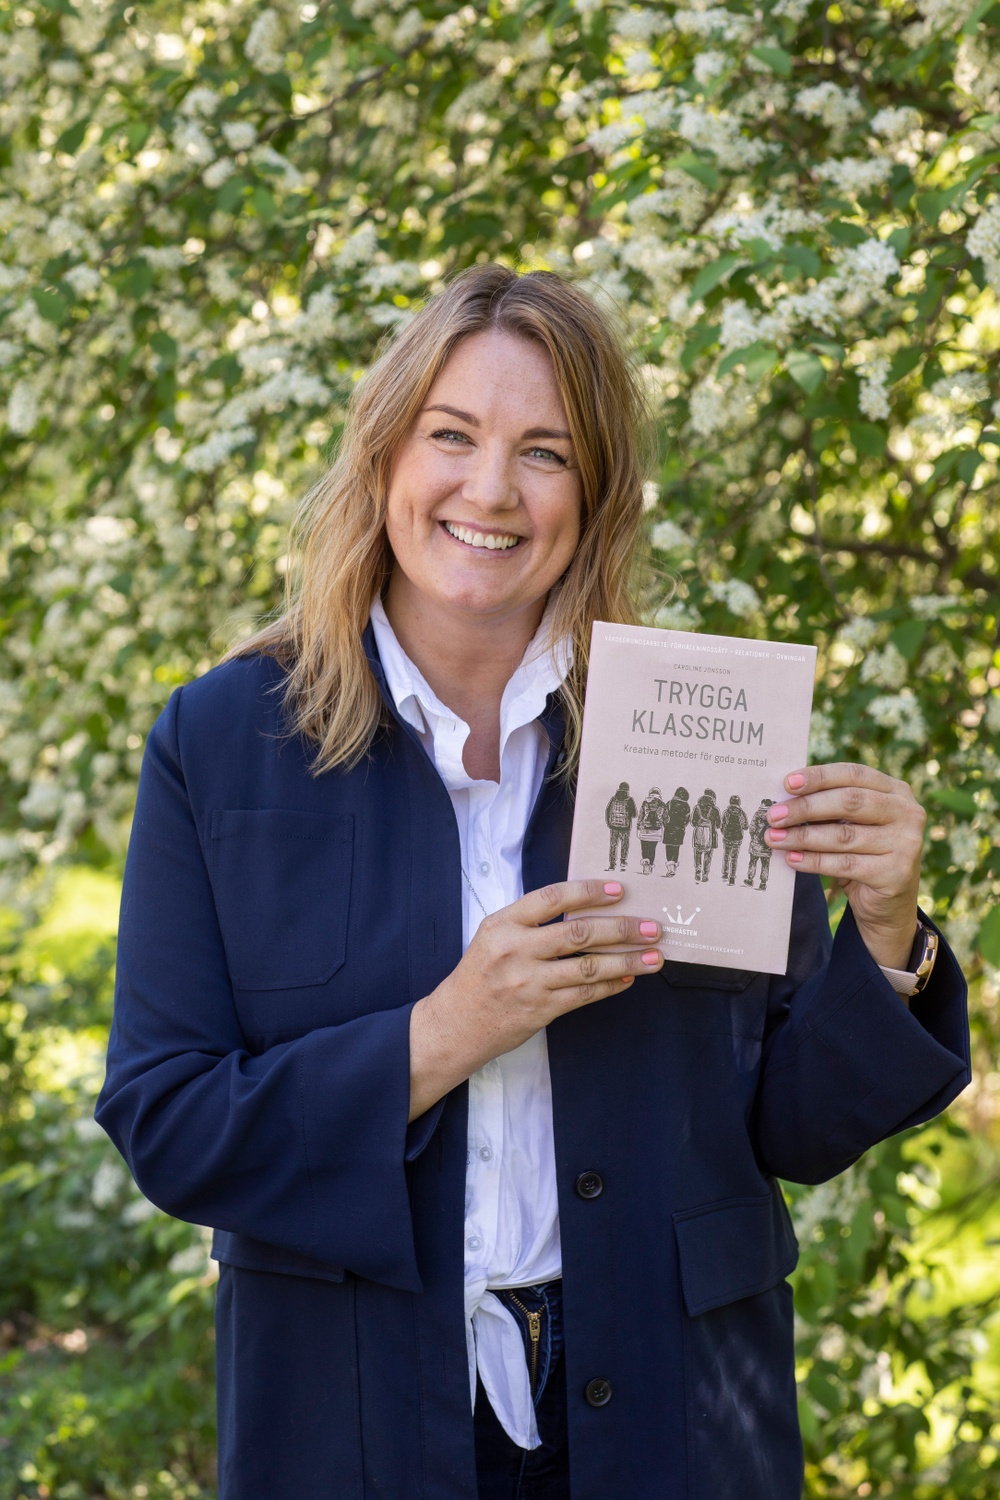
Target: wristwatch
(912,980)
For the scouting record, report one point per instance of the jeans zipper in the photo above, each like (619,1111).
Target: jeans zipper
(534,1334)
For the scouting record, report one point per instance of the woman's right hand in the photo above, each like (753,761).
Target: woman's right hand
(517,975)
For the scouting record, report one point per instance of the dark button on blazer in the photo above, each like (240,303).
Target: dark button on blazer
(276,930)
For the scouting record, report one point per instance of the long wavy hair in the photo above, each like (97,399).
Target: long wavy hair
(340,553)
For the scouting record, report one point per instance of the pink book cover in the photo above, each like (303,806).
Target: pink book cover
(687,739)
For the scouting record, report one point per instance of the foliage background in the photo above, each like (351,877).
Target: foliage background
(211,211)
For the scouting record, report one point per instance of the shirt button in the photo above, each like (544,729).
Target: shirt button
(486,1153)
(598,1392)
(484,868)
(474,1242)
(589,1185)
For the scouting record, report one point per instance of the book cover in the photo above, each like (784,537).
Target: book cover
(687,739)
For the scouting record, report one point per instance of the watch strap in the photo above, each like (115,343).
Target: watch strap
(912,981)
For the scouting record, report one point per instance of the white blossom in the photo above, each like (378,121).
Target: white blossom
(709,64)
(822,743)
(216,173)
(109,1181)
(9,351)
(855,175)
(83,279)
(963,845)
(200,100)
(901,713)
(930,606)
(650,495)
(893,124)
(676,614)
(639,62)
(983,241)
(858,633)
(739,598)
(22,408)
(717,405)
(719,133)
(639,25)
(190,139)
(239,135)
(216,449)
(873,397)
(667,536)
(836,107)
(886,668)
(264,42)
(610,137)
(713,21)
(190,1262)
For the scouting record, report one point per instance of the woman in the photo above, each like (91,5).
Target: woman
(494,1204)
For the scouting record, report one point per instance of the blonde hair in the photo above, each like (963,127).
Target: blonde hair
(339,536)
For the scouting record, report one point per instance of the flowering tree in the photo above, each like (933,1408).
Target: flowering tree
(211,212)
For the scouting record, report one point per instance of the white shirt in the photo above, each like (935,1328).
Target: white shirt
(511,1205)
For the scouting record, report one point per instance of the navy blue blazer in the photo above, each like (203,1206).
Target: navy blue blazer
(276,930)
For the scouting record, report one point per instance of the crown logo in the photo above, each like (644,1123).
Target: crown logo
(680,920)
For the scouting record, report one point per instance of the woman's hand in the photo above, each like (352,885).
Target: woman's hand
(866,830)
(517,975)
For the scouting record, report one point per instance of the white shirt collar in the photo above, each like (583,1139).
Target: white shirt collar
(542,670)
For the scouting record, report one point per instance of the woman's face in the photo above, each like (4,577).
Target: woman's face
(485,496)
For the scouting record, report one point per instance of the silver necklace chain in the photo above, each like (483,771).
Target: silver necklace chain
(475,893)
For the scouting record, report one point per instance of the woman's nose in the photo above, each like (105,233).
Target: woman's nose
(490,482)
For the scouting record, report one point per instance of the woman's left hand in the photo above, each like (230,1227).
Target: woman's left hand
(865,829)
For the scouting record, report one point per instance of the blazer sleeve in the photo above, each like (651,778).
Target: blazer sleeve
(847,1061)
(302,1146)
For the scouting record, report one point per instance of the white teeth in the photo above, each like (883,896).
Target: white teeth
(489,540)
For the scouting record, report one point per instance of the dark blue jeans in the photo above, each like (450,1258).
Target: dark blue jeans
(505,1471)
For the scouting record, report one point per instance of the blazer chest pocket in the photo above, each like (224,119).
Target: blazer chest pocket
(282,882)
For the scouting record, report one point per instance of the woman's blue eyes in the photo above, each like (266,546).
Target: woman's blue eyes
(448,433)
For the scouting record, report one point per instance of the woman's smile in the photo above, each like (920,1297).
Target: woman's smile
(479,540)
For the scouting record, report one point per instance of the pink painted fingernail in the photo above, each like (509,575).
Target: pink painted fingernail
(775,835)
(648,929)
(612,888)
(777,814)
(794,858)
(795,781)
(652,957)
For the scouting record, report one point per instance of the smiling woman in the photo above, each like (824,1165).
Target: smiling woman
(493,1193)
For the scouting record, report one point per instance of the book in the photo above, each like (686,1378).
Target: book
(687,739)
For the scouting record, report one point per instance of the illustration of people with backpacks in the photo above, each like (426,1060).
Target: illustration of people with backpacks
(734,826)
(705,823)
(650,827)
(619,815)
(760,853)
(676,817)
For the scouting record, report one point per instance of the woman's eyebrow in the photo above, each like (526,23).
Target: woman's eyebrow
(530,432)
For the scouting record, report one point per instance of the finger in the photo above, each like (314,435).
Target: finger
(839,773)
(588,969)
(580,934)
(860,838)
(563,896)
(854,803)
(875,870)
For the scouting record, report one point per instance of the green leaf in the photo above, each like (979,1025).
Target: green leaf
(53,307)
(806,369)
(714,274)
(868,439)
(909,637)
(263,202)
(776,58)
(803,257)
(827,347)
(72,137)
(701,337)
(971,24)
(62,6)
(989,938)
(164,345)
(230,194)
(697,167)
(903,361)
(137,134)
(137,278)
(968,465)
(760,362)
(846,233)
(953,798)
